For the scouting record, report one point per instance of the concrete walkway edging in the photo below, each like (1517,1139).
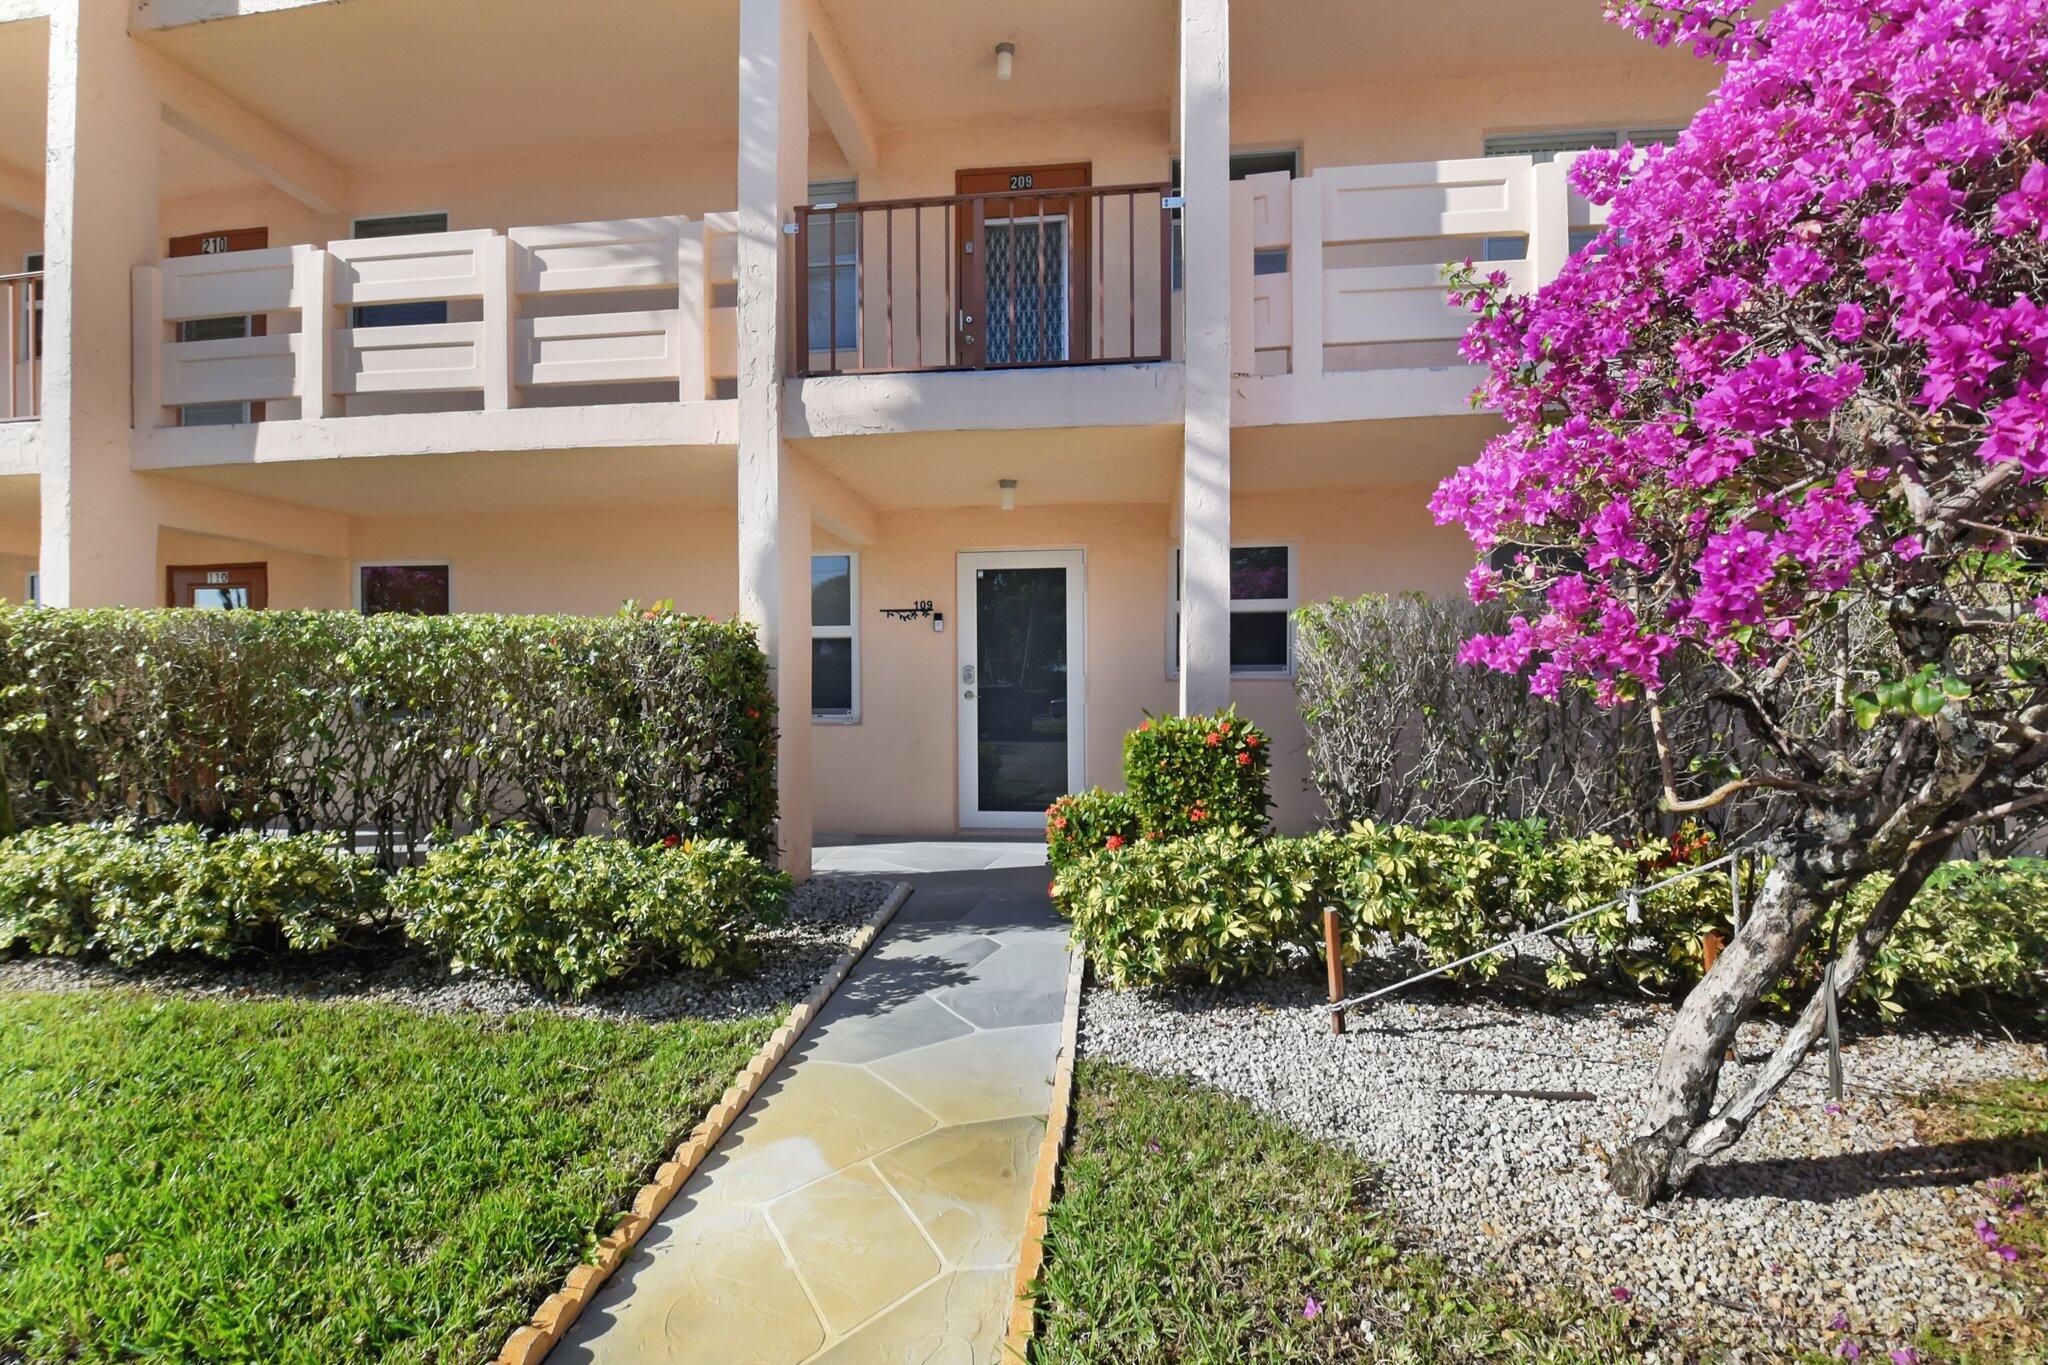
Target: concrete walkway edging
(1058,1120)
(530,1343)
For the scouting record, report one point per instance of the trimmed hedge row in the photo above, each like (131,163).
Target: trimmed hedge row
(69,889)
(565,914)
(387,727)
(1219,907)
(568,915)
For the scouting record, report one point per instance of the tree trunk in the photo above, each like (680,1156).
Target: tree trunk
(1681,1095)
(1661,1159)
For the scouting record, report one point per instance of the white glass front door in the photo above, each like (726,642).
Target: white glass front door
(1020,683)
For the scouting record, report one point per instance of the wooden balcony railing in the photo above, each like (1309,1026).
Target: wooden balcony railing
(1017,280)
(628,310)
(22,332)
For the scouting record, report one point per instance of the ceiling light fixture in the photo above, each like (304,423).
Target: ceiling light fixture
(1009,487)
(1006,60)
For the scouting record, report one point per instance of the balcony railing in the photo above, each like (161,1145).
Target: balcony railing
(22,332)
(1018,280)
(1342,270)
(637,309)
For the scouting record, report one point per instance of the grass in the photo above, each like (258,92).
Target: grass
(205,1180)
(1191,1228)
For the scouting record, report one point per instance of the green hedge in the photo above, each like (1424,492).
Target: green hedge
(571,914)
(389,727)
(1182,775)
(70,889)
(1220,907)
(564,914)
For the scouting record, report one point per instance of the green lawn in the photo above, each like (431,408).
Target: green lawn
(192,1179)
(1191,1228)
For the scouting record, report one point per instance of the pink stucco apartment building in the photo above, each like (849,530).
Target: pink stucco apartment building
(1016,367)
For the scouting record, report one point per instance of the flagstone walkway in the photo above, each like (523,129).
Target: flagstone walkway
(869,1204)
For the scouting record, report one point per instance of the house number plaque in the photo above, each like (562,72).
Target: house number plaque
(916,611)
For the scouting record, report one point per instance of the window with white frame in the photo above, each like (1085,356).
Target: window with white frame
(835,637)
(1262,599)
(411,589)
(833,265)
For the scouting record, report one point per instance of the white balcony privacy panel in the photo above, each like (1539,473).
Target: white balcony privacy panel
(629,303)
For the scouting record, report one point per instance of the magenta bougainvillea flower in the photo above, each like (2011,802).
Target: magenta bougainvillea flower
(1838,260)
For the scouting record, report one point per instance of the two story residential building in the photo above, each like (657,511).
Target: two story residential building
(1017,369)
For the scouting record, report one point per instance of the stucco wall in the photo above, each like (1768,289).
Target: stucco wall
(580,562)
(1430,120)
(19,235)
(295,580)
(895,771)
(14,572)
(604,182)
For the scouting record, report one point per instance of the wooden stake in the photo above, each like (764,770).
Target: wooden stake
(1333,956)
(1710,950)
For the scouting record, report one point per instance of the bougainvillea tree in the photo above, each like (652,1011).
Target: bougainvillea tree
(1790,412)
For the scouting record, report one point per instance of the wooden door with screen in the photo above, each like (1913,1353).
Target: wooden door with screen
(220,329)
(219,587)
(1023,265)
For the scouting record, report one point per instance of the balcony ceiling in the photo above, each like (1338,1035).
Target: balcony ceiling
(1280,45)
(382,83)
(932,62)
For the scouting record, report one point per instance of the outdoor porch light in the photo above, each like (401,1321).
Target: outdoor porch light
(1006,59)
(1009,487)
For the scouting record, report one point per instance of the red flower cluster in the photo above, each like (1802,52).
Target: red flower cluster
(1114,841)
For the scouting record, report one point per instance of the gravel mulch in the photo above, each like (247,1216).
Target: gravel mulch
(825,914)
(1812,1214)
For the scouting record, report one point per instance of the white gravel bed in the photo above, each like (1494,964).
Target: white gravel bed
(1812,1214)
(825,914)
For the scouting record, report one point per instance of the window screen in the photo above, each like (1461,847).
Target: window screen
(412,589)
(833,249)
(401,314)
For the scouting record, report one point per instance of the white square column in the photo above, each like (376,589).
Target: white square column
(1205,453)
(774,507)
(99,522)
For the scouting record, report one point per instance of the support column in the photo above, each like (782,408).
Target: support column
(100,221)
(774,510)
(1205,454)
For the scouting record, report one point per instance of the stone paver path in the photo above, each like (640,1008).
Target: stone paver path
(869,1204)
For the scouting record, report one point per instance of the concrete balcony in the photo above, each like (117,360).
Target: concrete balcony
(598,334)
(1339,311)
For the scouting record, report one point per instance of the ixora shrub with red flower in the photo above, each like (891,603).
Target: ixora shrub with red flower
(1182,775)
(1088,822)
(1190,774)
(1789,414)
